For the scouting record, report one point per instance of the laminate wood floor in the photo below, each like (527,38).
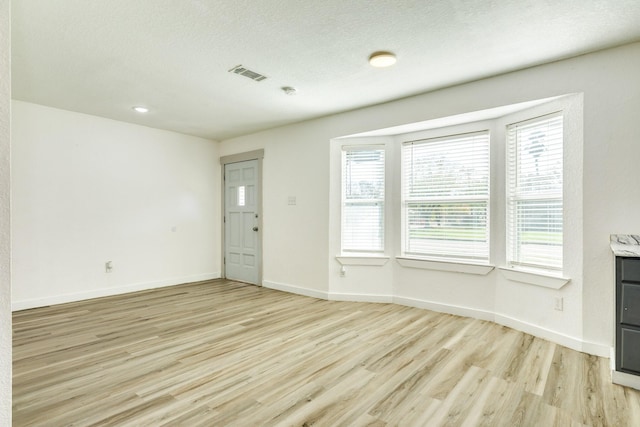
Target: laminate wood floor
(223,353)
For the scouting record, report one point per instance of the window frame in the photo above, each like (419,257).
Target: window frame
(380,201)
(513,196)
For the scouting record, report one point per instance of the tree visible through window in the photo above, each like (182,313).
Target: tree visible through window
(534,192)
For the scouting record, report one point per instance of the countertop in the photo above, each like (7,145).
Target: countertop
(625,245)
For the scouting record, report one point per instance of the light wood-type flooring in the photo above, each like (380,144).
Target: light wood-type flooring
(223,353)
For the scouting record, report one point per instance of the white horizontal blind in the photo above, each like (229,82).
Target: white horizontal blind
(363,199)
(445,185)
(534,192)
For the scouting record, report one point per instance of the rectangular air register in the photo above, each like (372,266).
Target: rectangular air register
(239,69)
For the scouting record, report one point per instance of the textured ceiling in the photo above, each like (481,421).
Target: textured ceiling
(101,57)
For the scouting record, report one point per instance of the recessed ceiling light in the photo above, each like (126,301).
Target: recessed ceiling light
(382,59)
(140,109)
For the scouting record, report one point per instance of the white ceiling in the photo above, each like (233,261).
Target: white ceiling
(101,57)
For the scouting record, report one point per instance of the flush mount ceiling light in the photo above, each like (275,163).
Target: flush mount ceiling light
(140,109)
(288,90)
(382,59)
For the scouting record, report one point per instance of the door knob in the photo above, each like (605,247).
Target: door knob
(255,228)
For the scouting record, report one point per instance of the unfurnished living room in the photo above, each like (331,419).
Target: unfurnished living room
(333,213)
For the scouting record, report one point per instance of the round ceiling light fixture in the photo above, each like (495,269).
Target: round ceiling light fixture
(382,59)
(140,109)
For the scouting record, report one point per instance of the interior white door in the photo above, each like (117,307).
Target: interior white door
(242,257)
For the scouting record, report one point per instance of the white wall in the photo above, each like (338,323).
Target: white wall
(296,239)
(5,230)
(87,190)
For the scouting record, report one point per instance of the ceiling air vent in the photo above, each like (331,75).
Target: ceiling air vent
(239,69)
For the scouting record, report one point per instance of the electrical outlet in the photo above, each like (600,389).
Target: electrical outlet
(108,267)
(559,303)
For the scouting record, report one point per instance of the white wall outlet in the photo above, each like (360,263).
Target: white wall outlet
(292,200)
(108,266)
(559,304)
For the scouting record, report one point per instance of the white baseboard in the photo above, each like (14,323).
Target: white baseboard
(105,292)
(535,330)
(445,308)
(540,332)
(628,380)
(596,349)
(336,296)
(295,290)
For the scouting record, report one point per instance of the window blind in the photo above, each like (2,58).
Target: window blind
(445,185)
(363,181)
(534,192)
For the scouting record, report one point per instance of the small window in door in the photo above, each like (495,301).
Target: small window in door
(241,196)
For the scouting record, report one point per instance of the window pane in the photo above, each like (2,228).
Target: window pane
(539,232)
(454,230)
(446,194)
(363,199)
(456,166)
(363,225)
(534,190)
(241,195)
(364,175)
(539,161)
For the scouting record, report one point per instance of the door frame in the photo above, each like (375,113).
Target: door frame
(235,158)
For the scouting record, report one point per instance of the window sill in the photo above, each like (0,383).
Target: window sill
(537,279)
(457,267)
(371,260)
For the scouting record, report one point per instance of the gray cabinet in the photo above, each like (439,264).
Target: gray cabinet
(628,315)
